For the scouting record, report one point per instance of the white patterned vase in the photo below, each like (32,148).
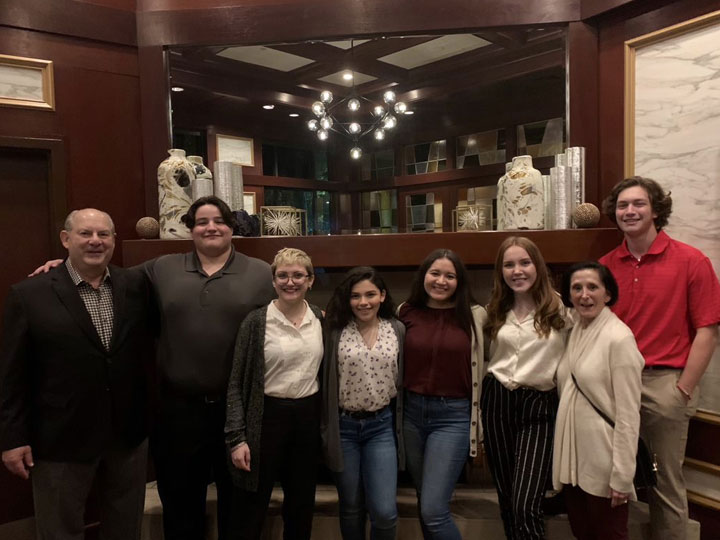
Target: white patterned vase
(175,178)
(203,184)
(520,197)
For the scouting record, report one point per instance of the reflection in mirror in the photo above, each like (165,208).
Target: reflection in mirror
(461,106)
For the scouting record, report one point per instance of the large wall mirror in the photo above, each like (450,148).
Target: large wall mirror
(470,102)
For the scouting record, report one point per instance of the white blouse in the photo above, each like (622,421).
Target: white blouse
(519,357)
(367,377)
(292,355)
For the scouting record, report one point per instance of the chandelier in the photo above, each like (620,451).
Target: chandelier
(363,116)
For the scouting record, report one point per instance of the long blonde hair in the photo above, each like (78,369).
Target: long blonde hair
(548,306)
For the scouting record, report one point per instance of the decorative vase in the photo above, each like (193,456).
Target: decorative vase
(228,184)
(202,186)
(175,177)
(499,202)
(520,197)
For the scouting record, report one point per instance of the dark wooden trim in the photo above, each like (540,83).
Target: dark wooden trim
(155,119)
(583,100)
(71,18)
(399,250)
(273,22)
(57,190)
(591,8)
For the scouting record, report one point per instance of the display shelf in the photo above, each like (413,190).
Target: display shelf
(398,250)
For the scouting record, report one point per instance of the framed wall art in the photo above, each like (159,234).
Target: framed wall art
(26,82)
(236,149)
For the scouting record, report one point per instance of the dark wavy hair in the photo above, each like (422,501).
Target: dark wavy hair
(660,200)
(548,308)
(339,314)
(604,274)
(227,215)
(462,297)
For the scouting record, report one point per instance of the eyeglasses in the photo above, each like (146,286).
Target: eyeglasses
(297,277)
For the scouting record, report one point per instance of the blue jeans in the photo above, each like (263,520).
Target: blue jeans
(437,444)
(368,481)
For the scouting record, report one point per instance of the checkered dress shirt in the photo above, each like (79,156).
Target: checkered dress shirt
(98,302)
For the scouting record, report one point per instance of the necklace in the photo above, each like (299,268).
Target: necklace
(369,334)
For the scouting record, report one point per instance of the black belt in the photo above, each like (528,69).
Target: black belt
(661,368)
(361,415)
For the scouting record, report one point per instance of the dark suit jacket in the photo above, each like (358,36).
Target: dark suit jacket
(61,392)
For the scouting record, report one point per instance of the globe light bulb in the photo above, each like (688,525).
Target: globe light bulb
(354,104)
(389,122)
(379,134)
(355,152)
(326,122)
(354,128)
(378,110)
(400,107)
(389,96)
(318,109)
(312,125)
(322,134)
(326,96)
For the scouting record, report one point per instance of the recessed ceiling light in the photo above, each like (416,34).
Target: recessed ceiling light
(348,76)
(409,112)
(177,89)
(269,107)
(293,115)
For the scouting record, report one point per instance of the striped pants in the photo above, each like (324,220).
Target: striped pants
(518,430)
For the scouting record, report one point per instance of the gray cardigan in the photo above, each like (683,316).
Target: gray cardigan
(246,394)
(330,422)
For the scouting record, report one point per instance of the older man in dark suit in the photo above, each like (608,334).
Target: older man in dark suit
(72,385)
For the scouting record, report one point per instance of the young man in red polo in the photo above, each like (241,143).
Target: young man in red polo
(670,298)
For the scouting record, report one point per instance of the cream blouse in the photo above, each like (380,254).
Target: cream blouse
(519,357)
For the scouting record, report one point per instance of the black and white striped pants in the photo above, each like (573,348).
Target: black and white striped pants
(518,428)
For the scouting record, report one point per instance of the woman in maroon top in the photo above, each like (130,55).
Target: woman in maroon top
(443,360)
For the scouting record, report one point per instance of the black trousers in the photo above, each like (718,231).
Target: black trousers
(518,428)
(188,449)
(289,450)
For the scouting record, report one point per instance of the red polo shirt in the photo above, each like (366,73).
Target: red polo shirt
(664,297)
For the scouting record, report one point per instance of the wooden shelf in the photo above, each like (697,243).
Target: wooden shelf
(398,250)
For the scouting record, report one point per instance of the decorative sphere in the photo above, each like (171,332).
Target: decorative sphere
(326,96)
(147,227)
(379,134)
(389,96)
(322,134)
(354,104)
(355,152)
(389,122)
(400,107)
(326,122)
(312,125)
(378,110)
(354,128)
(586,215)
(318,109)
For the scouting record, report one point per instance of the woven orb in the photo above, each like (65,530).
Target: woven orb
(147,227)
(586,215)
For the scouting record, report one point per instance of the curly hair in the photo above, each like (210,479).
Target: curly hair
(339,313)
(660,200)
(462,297)
(548,307)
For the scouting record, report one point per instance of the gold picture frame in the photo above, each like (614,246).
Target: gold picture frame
(26,83)
(236,149)
(249,202)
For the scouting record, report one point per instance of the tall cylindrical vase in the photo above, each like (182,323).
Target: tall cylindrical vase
(520,196)
(175,177)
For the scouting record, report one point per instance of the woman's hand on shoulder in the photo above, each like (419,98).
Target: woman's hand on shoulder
(240,456)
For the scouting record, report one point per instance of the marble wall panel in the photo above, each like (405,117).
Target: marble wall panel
(677,142)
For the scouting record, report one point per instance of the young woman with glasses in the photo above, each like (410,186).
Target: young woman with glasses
(361,375)
(273,403)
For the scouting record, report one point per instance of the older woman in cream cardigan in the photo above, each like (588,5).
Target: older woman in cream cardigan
(593,461)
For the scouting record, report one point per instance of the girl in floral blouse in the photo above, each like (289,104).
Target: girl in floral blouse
(361,372)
